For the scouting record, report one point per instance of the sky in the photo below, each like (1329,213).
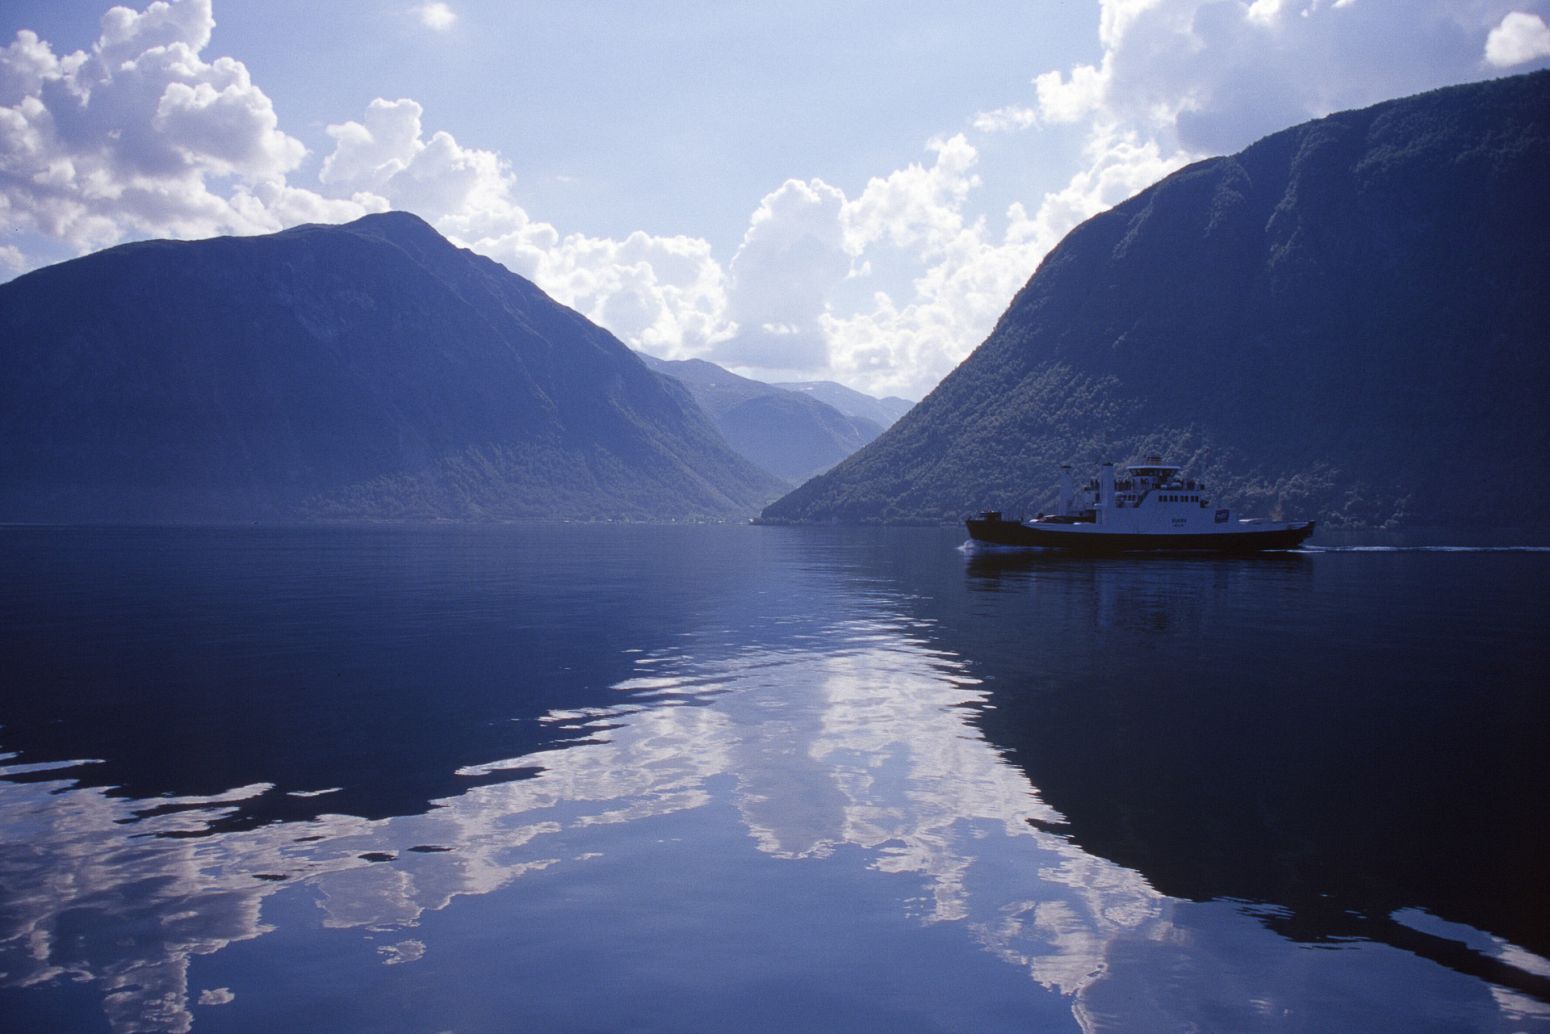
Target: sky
(846,190)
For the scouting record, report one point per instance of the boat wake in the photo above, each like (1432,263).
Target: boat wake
(1424,549)
(971,546)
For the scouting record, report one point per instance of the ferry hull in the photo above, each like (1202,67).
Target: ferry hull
(1090,540)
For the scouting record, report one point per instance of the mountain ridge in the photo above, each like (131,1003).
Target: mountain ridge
(1313,324)
(365,371)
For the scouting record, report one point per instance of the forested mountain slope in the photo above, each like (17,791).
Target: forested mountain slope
(1348,320)
(371,370)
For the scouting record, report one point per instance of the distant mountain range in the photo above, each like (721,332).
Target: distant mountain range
(365,371)
(884,412)
(792,431)
(1349,320)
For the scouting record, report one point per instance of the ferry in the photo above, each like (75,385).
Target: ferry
(1150,508)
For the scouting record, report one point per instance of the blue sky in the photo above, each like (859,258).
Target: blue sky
(834,190)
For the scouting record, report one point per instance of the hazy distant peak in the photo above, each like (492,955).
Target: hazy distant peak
(882,411)
(792,434)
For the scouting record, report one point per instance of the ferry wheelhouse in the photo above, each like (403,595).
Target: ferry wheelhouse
(1150,507)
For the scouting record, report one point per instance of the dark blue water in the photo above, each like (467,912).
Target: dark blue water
(735,778)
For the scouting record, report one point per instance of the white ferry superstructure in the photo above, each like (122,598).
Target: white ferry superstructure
(1150,508)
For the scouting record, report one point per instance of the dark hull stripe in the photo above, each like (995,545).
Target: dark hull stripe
(1014,533)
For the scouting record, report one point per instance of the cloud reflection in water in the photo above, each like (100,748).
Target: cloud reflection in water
(862,741)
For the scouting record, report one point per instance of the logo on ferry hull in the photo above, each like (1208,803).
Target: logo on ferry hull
(1221,516)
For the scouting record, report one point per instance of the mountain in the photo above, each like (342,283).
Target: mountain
(371,370)
(788,433)
(881,411)
(1346,321)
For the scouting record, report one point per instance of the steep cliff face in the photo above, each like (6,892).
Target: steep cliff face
(1348,320)
(371,370)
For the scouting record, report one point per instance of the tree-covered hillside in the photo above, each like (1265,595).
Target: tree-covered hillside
(1348,320)
(371,370)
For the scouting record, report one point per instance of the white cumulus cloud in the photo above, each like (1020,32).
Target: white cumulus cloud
(387,154)
(791,258)
(1211,76)
(1521,37)
(917,206)
(141,136)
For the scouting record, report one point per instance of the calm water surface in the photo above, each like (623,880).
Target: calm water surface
(765,779)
